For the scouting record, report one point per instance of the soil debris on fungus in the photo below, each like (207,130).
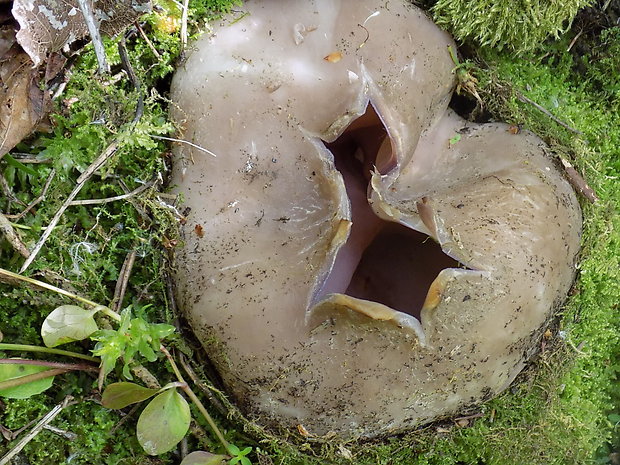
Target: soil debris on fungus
(416,270)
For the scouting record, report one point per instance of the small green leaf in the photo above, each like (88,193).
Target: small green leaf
(68,323)
(20,166)
(614,417)
(134,336)
(239,456)
(455,139)
(163,423)
(203,458)
(120,395)
(12,371)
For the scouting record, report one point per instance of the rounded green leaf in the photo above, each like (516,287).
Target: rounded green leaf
(12,371)
(163,423)
(68,323)
(120,395)
(203,458)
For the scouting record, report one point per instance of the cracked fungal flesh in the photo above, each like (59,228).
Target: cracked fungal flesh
(358,258)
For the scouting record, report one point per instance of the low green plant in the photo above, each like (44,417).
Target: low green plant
(165,420)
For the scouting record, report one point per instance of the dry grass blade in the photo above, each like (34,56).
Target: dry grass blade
(36,430)
(543,110)
(98,163)
(128,195)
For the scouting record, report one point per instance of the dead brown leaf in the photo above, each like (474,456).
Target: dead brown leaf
(46,26)
(23,105)
(29,58)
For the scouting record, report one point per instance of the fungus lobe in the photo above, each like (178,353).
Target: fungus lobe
(369,261)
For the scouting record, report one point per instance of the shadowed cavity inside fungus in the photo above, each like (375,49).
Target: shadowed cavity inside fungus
(382,261)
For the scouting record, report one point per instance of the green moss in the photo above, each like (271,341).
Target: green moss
(514,25)
(87,249)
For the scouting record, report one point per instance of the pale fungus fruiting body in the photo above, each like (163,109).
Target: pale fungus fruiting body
(369,261)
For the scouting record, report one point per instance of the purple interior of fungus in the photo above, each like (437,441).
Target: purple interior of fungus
(382,261)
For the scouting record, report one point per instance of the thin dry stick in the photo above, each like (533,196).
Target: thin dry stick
(578,182)
(10,277)
(205,389)
(69,435)
(572,42)
(9,233)
(542,109)
(123,280)
(122,51)
(98,163)
(93,30)
(40,198)
(172,139)
(34,431)
(143,214)
(187,390)
(45,363)
(14,382)
(133,193)
(124,419)
(147,40)
(184,25)
(27,158)
(470,417)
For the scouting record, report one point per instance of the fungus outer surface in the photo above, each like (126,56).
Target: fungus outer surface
(370,260)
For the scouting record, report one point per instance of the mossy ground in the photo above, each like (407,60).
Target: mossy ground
(561,410)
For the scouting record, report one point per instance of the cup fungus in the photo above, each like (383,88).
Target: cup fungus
(367,260)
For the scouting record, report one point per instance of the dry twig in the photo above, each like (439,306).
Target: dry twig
(7,229)
(141,211)
(85,176)
(93,30)
(205,389)
(6,190)
(122,50)
(172,139)
(133,193)
(69,435)
(184,26)
(578,182)
(36,430)
(147,40)
(572,42)
(543,110)
(123,280)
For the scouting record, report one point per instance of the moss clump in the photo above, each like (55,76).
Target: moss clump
(514,25)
